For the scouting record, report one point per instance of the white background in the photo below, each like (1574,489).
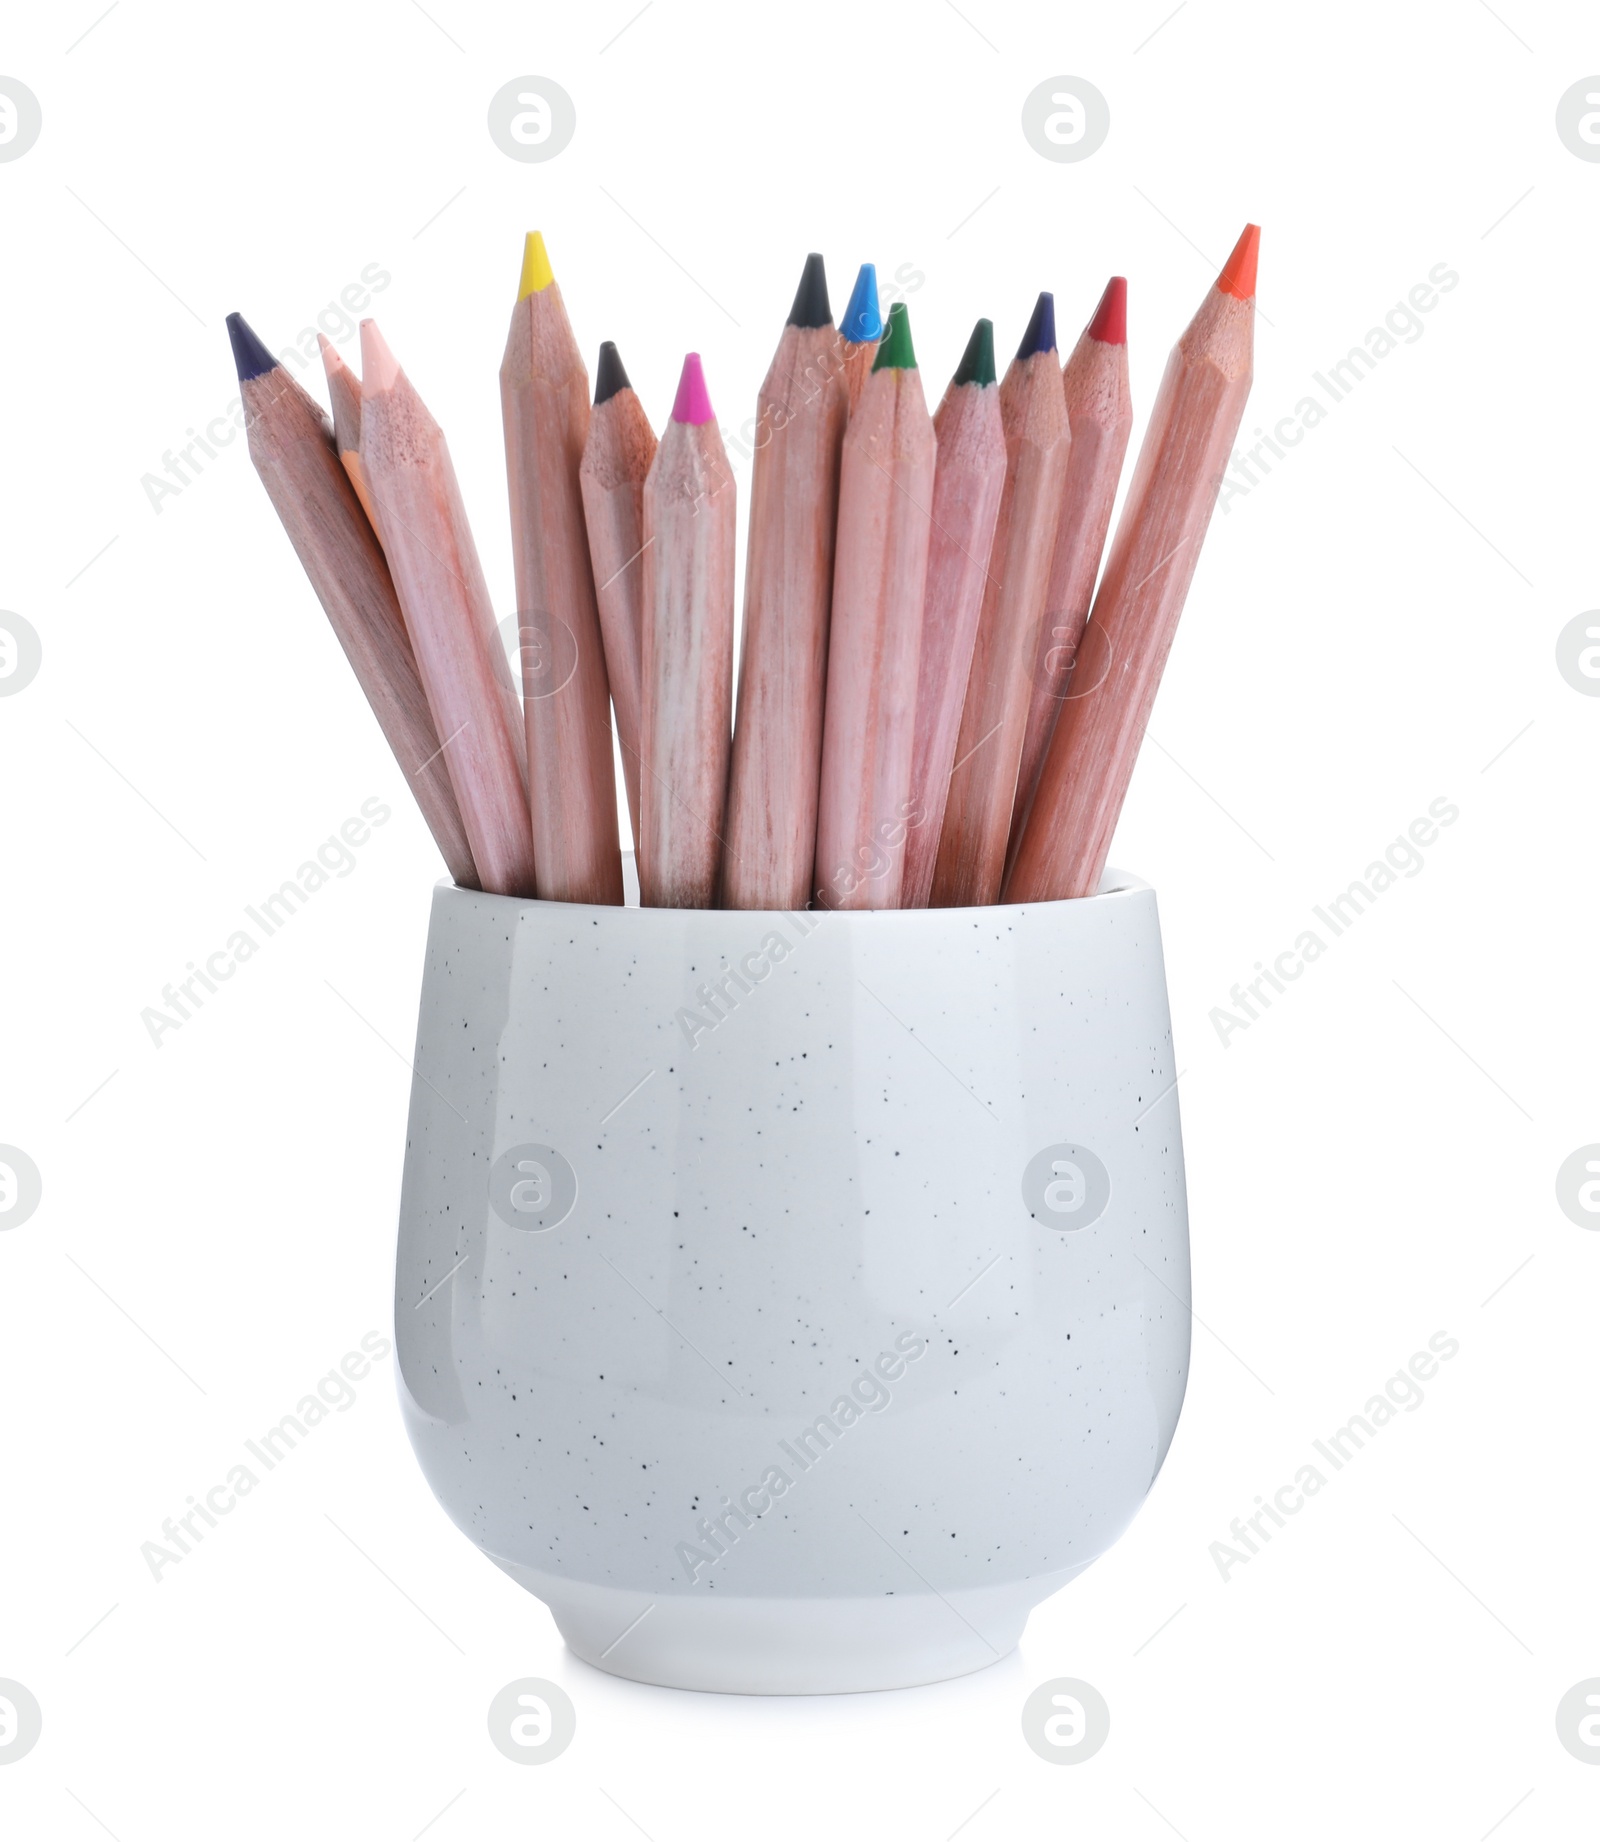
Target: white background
(1371,628)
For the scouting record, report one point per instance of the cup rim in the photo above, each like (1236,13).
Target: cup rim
(1114,884)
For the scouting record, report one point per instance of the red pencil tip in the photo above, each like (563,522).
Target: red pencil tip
(1110,322)
(693,401)
(1238,276)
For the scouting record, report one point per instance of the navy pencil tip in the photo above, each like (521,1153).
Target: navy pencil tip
(609,376)
(1041,333)
(250,357)
(811,297)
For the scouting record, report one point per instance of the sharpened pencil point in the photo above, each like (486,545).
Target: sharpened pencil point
(811,297)
(1238,276)
(862,320)
(536,271)
(609,376)
(693,401)
(379,366)
(250,357)
(895,353)
(977,361)
(1041,333)
(1110,322)
(333,360)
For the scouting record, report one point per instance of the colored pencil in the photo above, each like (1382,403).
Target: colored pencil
(1089,763)
(616,460)
(344,397)
(1100,415)
(291,445)
(861,329)
(687,664)
(794,491)
(968,480)
(879,574)
(544,398)
(994,718)
(439,580)
(937,703)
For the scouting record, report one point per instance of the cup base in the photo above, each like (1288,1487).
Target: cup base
(787,1646)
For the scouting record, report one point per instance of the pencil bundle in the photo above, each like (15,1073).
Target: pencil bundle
(941,695)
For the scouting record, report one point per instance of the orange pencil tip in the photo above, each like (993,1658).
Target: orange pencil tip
(1238,276)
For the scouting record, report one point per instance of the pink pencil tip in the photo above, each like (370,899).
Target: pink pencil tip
(693,401)
(1110,322)
(379,366)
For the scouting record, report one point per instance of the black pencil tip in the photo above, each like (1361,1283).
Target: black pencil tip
(250,357)
(811,297)
(1041,333)
(609,376)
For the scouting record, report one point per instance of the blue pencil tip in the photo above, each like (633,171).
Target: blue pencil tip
(1041,333)
(862,320)
(250,357)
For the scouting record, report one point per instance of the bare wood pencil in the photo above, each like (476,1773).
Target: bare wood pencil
(968,480)
(1100,415)
(344,395)
(690,536)
(994,718)
(292,448)
(544,396)
(616,461)
(1089,763)
(445,600)
(879,575)
(858,362)
(771,832)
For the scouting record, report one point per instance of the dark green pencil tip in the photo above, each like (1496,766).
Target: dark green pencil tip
(894,351)
(609,376)
(977,361)
(811,297)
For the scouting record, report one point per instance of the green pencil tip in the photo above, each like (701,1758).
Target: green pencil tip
(977,361)
(894,350)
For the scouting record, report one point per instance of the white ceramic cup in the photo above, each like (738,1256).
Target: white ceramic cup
(792,1302)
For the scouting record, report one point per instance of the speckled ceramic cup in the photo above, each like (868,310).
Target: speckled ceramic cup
(792,1302)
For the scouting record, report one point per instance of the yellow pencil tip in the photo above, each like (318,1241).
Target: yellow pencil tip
(536,272)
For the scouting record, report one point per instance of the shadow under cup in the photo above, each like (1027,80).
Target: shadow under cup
(793,1301)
